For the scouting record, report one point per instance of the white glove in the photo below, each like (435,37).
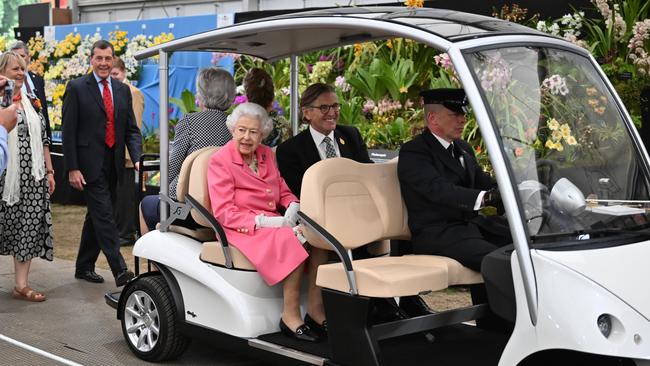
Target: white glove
(298,232)
(291,214)
(271,221)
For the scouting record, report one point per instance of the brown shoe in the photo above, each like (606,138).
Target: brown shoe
(28,294)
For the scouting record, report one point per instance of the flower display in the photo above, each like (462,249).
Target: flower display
(496,75)
(217,56)
(638,49)
(68,46)
(342,84)
(59,62)
(3,42)
(414,3)
(555,84)
(320,71)
(119,41)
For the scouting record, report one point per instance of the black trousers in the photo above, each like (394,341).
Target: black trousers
(126,206)
(99,231)
(468,251)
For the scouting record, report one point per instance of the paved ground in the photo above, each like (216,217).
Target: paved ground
(76,324)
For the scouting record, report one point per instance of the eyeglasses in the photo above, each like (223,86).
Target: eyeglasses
(242,131)
(324,108)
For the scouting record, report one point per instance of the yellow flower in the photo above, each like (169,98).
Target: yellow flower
(553,124)
(600,110)
(591,91)
(556,135)
(559,147)
(565,130)
(389,44)
(593,102)
(549,144)
(403,89)
(571,141)
(358,49)
(414,3)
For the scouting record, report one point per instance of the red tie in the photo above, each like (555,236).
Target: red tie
(110,117)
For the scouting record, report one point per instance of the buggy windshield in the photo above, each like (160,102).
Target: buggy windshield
(576,168)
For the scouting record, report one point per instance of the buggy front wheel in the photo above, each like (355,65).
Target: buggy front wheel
(149,323)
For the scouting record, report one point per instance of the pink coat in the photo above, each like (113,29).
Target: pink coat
(237,195)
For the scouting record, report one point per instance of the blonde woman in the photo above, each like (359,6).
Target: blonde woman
(26,185)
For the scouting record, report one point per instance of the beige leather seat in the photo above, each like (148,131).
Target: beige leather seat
(200,234)
(197,187)
(361,203)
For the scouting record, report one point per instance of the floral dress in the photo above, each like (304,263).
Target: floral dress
(26,227)
(281,130)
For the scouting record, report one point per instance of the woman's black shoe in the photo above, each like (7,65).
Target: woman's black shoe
(320,329)
(303,333)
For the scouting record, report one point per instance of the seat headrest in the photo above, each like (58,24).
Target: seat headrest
(198,183)
(357,203)
(186,171)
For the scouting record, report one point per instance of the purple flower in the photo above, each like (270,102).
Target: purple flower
(309,68)
(340,64)
(278,108)
(324,58)
(240,99)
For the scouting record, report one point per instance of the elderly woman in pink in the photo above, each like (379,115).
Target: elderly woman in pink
(247,194)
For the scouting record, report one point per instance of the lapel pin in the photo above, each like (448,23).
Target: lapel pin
(341,141)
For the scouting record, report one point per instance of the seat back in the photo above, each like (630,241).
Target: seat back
(198,183)
(357,203)
(185,173)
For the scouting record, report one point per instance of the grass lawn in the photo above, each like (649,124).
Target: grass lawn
(68,221)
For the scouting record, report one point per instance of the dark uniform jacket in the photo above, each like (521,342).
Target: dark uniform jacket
(39,90)
(298,153)
(439,193)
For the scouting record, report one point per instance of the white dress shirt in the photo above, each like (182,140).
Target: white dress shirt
(318,140)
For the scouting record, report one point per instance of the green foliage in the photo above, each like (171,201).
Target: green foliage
(187,102)
(630,93)
(9,14)
(370,82)
(351,110)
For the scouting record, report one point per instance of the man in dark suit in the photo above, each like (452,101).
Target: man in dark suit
(319,106)
(98,122)
(444,186)
(34,83)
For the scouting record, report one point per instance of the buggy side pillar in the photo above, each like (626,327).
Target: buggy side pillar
(350,338)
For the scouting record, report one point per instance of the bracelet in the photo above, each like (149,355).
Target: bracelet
(50,171)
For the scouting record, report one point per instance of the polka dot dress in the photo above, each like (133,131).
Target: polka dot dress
(26,227)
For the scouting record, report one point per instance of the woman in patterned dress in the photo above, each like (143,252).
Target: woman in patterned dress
(259,90)
(26,185)
(215,89)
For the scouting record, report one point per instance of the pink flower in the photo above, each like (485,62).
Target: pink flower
(240,99)
(519,151)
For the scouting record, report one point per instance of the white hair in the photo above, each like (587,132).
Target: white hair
(251,110)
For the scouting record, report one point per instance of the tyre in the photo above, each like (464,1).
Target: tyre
(149,323)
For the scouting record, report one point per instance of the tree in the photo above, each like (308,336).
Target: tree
(9,14)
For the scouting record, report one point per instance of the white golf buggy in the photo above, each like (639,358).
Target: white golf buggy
(571,169)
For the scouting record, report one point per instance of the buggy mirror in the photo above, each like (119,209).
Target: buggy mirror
(567,198)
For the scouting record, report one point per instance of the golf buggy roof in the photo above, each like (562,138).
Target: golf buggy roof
(276,37)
